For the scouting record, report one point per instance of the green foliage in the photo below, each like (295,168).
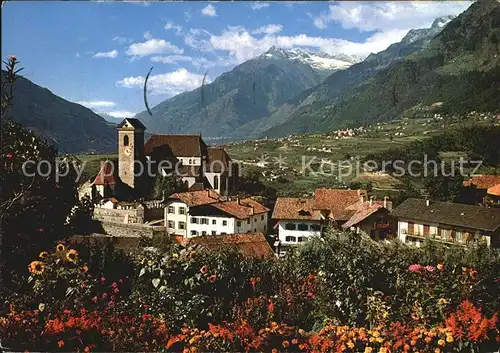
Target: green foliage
(164,186)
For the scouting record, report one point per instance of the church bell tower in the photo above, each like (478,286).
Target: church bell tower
(130,149)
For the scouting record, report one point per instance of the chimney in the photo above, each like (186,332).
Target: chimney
(427,202)
(385,201)
(362,198)
(371,201)
(238,200)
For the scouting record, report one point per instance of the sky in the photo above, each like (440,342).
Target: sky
(97,53)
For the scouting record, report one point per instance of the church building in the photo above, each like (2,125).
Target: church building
(185,156)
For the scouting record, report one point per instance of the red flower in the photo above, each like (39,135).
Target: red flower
(60,343)
(204,269)
(258,279)
(94,299)
(10,155)
(270,306)
(212,278)
(40,230)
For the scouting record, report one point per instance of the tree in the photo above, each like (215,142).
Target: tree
(166,186)
(38,191)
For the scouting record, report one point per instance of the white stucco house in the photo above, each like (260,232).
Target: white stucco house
(196,213)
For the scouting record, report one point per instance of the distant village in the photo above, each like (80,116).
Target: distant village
(210,210)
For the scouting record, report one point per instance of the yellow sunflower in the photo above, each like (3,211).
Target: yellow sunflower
(36,267)
(60,247)
(72,255)
(44,255)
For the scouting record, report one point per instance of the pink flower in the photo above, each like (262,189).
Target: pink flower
(414,268)
(40,230)
(103,280)
(116,291)
(104,296)
(94,299)
(120,281)
(430,268)
(10,155)
(112,297)
(12,57)
(114,285)
(111,304)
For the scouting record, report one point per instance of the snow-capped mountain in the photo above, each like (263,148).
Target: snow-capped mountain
(317,60)
(427,33)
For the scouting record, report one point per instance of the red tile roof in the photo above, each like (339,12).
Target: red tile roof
(335,201)
(105,176)
(295,208)
(494,190)
(241,209)
(197,198)
(252,245)
(483,181)
(180,145)
(363,211)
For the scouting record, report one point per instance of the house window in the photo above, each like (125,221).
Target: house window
(213,232)
(171,224)
(204,232)
(224,223)
(290,239)
(238,223)
(216,182)
(193,232)
(223,233)
(255,219)
(411,228)
(203,220)
(315,227)
(290,226)
(301,239)
(255,230)
(262,217)
(248,221)
(302,226)
(190,161)
(182,210)
(125,140)
(214,221)
(426,229)
(194,220)
(182,225)
(265,228)
(171,209)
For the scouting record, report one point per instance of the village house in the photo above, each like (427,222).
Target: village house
(205,212)
(300,219)
(485,189)
(447,222)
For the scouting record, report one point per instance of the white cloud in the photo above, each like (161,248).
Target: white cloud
(121,114)
(120,40)
(153,46)
(172,26)
(171,59)
(147,35)
(97,104)
(169,84)
(269,29)
(259,5)
(384,16)
(209,10)
(106,54)
(187,16)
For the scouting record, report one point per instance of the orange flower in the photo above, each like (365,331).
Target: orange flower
(87,349)
(285,343)
(295,341)
(204,269)
(437,350)
(440,266)
(441,342)
(274,350)
(60,343)
(43,255)
(85,268)
(36,267)
(60,247)
(72,255)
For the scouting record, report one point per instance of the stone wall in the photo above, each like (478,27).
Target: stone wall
(132,230)
(127,216)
